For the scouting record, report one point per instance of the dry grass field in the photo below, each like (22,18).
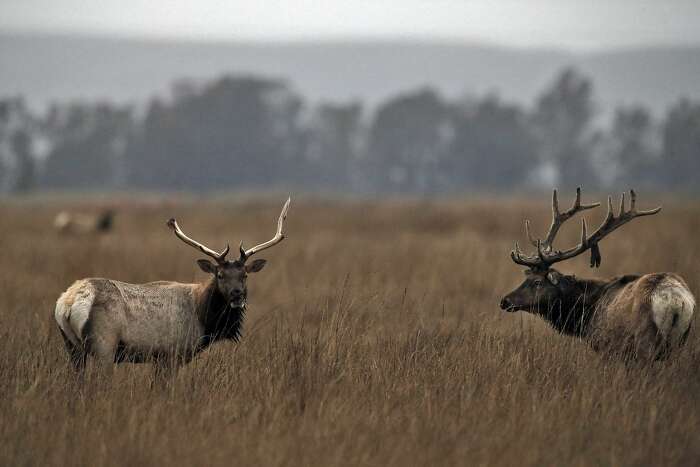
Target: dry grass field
(373,337)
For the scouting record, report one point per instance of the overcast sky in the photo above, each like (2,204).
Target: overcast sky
(591,24)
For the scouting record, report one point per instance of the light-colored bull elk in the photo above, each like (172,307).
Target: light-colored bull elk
(164,322)
(641,316)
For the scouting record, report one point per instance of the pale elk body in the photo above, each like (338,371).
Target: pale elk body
(159,321)
(643,316)
(79,223)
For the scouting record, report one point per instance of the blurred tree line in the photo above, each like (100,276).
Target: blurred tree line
(250,133)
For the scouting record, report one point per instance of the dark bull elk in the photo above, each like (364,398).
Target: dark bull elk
(642,316)
(165,322)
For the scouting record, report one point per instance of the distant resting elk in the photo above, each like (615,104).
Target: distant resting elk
(78,223)
(163,322)
(643,317)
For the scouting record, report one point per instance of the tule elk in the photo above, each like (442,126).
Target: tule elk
(163,322)
(642,317)
(79,223)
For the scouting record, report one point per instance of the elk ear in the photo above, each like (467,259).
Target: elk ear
(256,266)
(553,277)
(206,266)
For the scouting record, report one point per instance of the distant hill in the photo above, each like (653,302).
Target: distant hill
(46,68)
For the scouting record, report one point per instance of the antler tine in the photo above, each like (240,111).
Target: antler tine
(556,220)
(515,252)
(622,205)
(530,238)
(559,218)
(610,215)
(219,257)
(515,256)
(650,212)
(633,209)
(241,251)
(577,206)
(633,200)
(279,235)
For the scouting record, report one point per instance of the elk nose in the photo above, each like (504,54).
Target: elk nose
(236,293)
(505,303)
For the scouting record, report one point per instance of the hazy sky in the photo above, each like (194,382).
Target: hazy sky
(590,24)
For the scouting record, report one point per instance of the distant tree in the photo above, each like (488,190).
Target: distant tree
(632,148)
(561,124)
(247,132)
(26,165)
(333,146)
(681,146)
(88,143)
(234,133)
(493,148)
(17,160)
(408,137)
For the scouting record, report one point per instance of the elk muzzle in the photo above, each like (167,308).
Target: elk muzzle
(507,304)
(237,298)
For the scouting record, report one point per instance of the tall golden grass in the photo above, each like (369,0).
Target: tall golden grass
(373,337)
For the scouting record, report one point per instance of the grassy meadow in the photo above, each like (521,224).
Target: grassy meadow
(373,337)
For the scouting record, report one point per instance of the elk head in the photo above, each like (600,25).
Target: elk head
(545,287)
(231,276)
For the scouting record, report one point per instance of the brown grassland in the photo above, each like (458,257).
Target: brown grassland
(373,337)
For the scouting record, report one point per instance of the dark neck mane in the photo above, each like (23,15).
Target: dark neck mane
(220,320)
(572,315)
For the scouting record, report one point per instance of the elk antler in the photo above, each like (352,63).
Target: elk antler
(559,218)
(279,236)
(546,256)
(219,257)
